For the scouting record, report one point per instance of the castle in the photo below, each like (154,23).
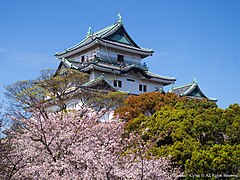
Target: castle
(111,57)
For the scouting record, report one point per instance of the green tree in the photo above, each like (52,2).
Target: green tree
(148,103)
(232,120)
(218,159)
(64,85)
(199,137)
(25,94)
(208,127)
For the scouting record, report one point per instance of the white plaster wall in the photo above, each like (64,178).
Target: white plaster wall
(109,55)
(132,87)
(88,54)
(52,108)
(93,75)
(107,116)
(112,56)
(74,104)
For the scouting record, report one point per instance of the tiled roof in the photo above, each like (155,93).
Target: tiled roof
(103,84)
(181,90)
(160,76)
(107,67)
(93,36)
(100,81)
(191,90)
(105,35)
(127,46)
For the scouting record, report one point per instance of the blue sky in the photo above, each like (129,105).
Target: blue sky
(191,38)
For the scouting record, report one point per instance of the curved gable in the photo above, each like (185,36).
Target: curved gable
(196,92)
(121,36)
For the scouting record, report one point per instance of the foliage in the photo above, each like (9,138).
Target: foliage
(201,138)
(32,93)
(23,93)
(2,120)
(218,159)
(4,146)
(148,103)
(108,100)
(75,145)
(58,89)
(196,135)
(63,86)
(58,143)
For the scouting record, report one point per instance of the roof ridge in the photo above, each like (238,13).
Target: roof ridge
(128,46)
(185,85)
(191,88)
(93,80)
(161,76)
(93,36)
(108,28)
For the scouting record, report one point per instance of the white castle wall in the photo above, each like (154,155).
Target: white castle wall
(129,86)
(112,56)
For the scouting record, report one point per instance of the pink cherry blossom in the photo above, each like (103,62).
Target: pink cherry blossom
(75,145)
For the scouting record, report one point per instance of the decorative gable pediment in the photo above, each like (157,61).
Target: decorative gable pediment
(192,91)
(99,84)
(196,92)
(121,36)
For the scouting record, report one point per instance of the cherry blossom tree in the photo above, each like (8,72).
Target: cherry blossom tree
(75,145)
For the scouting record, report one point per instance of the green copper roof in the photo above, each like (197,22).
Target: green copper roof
(96,34)
(121,38)
(115,33)
(180,87)
(90,36)
(191,90)
(160,76)
(99,83)
(100,78)
(102,31)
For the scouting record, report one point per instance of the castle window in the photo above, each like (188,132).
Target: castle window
(117,83)
(142,88)
(120,58)
(82,58)
(132,80)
